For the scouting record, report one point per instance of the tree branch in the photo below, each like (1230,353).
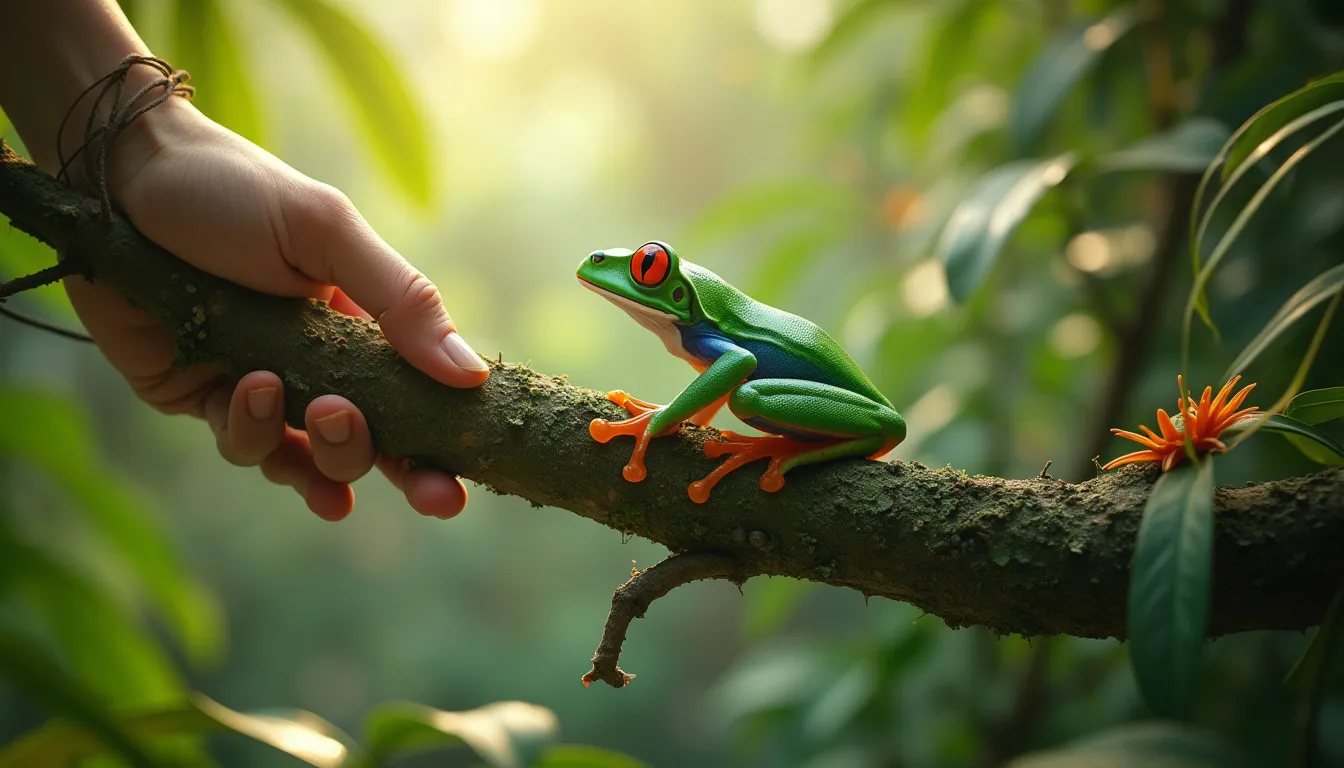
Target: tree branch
(1035,556)
(633,598)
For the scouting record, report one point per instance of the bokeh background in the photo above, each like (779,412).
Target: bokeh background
(810,151)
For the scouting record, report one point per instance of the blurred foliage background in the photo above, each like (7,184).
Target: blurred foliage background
(813,152)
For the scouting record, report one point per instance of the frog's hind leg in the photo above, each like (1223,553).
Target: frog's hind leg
(784,453)
(839,424)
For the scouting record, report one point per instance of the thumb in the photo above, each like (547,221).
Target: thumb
(406,304)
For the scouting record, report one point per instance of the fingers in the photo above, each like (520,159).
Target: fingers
(336,449)
(341,445)
(407,305)
(292,464)
(433,494)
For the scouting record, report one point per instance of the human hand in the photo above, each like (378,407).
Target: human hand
(224,205)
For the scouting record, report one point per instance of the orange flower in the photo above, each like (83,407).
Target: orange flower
(1205,420)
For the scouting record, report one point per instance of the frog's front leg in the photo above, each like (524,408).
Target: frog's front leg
(813,422)
(701,399)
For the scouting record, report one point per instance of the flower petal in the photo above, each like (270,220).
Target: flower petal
(1140,439)
(1169,431)
(1240,398)
(1171,460)
(1132,458)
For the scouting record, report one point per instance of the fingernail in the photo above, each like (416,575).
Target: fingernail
(261,403)
(460,352)
(335,429)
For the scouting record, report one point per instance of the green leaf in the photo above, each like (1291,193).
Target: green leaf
(50,433)
(1188,148)
(206,45)
(1317,406)
(1169,587)
(1272,118)
(295,732)
(1197,300)
(1151,745)
(981,224)
(771,601)
(4,124)
(506,734)
(1321,661)
(100,641)
(388,114)
(753,207)
(25,664)
(851,24)
(1289,426)
(1058,67)
(1322,287)
(578,756)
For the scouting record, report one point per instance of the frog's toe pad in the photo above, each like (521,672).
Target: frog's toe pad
(699,491)
(772,480)
(634,472)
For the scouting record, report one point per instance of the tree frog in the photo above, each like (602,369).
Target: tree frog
(775,371)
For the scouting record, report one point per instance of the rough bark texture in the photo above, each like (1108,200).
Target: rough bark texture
(1035,556)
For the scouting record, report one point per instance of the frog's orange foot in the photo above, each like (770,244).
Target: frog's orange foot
(603,431)
(634,405)
(744,450)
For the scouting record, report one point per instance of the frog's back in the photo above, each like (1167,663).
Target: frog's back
(775,336)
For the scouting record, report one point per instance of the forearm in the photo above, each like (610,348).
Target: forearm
(50,51)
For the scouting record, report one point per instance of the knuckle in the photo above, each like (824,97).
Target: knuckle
(420,296)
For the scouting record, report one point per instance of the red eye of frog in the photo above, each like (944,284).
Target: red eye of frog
(649,266)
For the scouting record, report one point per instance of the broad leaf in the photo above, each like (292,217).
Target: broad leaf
(1188,148)
(50,433)
(1151,745)
(757,206)
(1317,406)
(578,756)
(854,22)
(27,666)
(1169,587)
(206,44)
(295,732)
(786,262)
(100,641)
(506,734)
(1270,119)
(384,106)
(1320,662)
(1058,67)
(1289,426)
(1324,286)
(981,224)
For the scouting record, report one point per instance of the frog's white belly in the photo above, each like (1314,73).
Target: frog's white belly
(662,324)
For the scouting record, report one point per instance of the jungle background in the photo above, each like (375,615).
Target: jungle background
(811,152)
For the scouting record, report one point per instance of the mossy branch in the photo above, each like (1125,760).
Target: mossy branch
(1035,556)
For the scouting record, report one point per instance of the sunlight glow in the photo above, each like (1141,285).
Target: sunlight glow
(491,30)
(793,26)
(1075,335)
(1089,252)
(924,290)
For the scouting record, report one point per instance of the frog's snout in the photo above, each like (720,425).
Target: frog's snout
(596,257)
